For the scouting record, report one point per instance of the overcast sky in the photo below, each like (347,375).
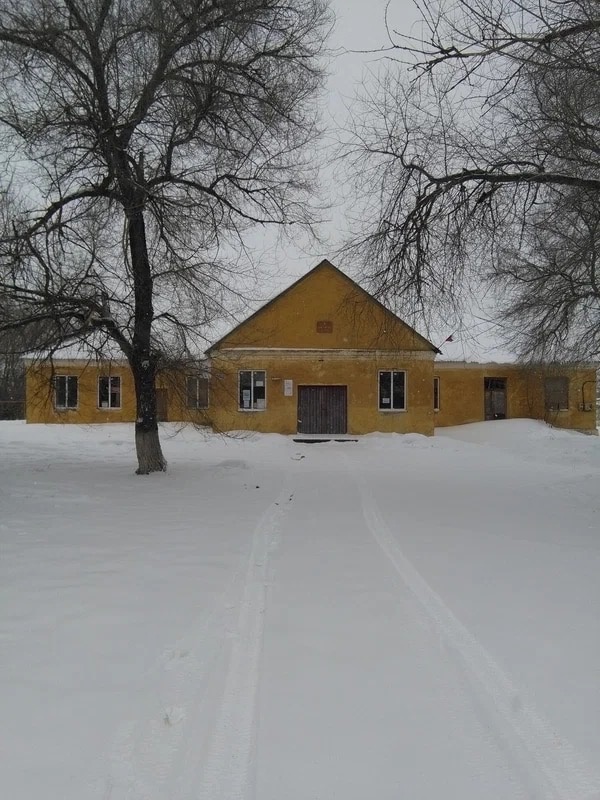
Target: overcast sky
(360,27)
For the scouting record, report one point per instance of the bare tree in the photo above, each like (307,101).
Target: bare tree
(146,135)
(473,133)
(12,380)
(15,342)
(550,285)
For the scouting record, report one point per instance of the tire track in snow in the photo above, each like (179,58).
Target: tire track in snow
(227,772)
(558,765)
(160,754)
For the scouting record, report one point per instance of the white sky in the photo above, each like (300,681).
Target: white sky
(359,28)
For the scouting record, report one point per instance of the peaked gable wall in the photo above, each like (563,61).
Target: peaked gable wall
(325,310)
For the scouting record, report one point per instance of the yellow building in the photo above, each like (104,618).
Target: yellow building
(322,358)
(76,388)
(562,395)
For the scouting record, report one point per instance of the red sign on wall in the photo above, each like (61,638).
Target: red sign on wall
(324,326)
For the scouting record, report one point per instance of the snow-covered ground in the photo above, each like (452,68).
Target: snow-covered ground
(395,618)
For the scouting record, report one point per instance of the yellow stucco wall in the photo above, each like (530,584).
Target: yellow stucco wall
(325,295)
(40,394)
(462,393)
(359,372)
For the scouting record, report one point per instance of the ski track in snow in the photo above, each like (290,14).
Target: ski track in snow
(173,752)
(555,770)
(228,773)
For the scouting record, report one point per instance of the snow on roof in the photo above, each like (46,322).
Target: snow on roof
(471,350)
(476,339)
(95,347)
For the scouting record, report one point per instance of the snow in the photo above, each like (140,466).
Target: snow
(476,347)
(396,617)
(96,346)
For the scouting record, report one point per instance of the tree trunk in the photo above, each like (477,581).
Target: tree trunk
(147,442)
(149,453)
(143,359)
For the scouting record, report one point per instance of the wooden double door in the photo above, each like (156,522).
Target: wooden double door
(323,410)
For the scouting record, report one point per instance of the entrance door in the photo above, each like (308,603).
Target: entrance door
(495,398)
(322,409)
(162,413)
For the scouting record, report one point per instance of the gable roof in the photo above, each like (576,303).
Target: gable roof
(324,264)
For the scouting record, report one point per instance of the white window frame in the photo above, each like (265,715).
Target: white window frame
(197,379)
(436,394)
(66,378)
(252,387)
(391,409)
(110,379)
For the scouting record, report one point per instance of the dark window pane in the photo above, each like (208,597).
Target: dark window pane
(192,392)
(72,391)
(245,389)
(103,392)
(398,390)
(259,389)
(60,387)
(385,390)
(436,393)
(115,392)
(495,384)
(202,392)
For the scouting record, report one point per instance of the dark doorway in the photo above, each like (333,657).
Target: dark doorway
(322,409)
(495,398)
(162,406)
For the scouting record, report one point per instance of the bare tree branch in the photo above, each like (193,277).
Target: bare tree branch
(149,133)
(476,135)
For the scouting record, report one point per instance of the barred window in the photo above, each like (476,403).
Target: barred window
(556,393)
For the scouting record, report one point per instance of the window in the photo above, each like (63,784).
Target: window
(392,391)
(436,394)
(197,391)
(556,393)
(109,392)
(66,391)
(252,396)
